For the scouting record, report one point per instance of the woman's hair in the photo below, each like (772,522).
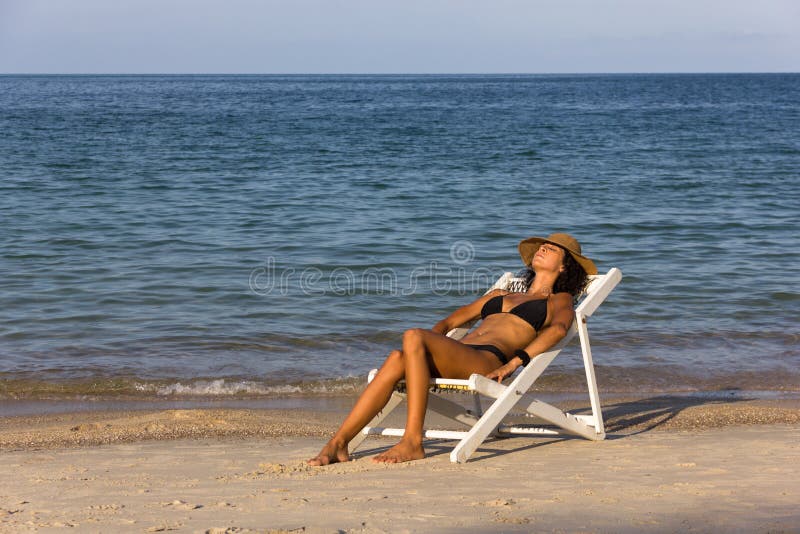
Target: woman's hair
(572,279)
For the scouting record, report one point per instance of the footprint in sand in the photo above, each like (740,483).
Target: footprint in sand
(181,505)
(496,503)
(164,527)
(86,427)
(107,507)
(9,512)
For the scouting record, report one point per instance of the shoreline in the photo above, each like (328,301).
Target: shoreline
(668,464)
(35,405)
(109,424)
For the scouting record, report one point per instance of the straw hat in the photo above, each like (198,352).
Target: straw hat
(528,247)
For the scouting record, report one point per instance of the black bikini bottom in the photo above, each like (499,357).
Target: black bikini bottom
(491,348)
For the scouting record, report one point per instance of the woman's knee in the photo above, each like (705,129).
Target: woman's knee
(395,356)
(413,337)
(394,363)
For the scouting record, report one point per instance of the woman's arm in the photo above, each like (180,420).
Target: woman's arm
(464,314)
(563,315)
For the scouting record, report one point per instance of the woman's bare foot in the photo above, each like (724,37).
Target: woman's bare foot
(404,451)
(331,453)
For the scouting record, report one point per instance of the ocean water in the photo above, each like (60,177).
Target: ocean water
(230,236)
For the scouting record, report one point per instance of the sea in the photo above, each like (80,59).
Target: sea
(265,240)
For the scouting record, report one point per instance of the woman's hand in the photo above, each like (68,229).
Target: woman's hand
(502,372)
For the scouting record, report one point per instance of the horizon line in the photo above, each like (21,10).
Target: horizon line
(555,73)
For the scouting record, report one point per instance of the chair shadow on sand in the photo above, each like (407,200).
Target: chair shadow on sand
(625,419)
(622,420)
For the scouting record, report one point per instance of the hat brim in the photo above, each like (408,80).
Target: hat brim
(528,248)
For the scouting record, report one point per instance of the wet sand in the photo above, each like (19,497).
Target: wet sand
(668,464)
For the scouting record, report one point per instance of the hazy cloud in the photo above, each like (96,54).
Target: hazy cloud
(249,36)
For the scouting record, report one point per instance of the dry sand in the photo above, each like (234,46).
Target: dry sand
(668,465)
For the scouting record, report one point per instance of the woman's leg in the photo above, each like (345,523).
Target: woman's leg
(367,406)
(426,353)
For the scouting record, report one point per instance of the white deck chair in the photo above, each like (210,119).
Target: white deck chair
(491,422)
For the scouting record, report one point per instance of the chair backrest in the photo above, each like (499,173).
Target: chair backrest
(598,288)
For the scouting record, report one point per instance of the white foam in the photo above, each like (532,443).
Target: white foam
(218,388)
(221,387)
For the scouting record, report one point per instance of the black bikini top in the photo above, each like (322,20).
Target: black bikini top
(534,312)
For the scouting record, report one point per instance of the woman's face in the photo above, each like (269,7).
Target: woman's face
(549,257)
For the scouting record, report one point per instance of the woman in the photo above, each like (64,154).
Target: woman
(515,328)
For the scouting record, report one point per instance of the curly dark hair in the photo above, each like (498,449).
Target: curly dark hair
(572,279)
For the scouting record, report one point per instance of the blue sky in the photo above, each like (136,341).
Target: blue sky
(402,36)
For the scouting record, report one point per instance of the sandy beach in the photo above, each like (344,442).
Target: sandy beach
(200,266)
(668,464)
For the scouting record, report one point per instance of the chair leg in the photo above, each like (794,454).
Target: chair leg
(588,364)
(567,421)
(510,396)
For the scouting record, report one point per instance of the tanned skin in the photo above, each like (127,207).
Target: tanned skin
(430,353)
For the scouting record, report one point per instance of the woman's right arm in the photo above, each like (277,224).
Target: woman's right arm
(464,314)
